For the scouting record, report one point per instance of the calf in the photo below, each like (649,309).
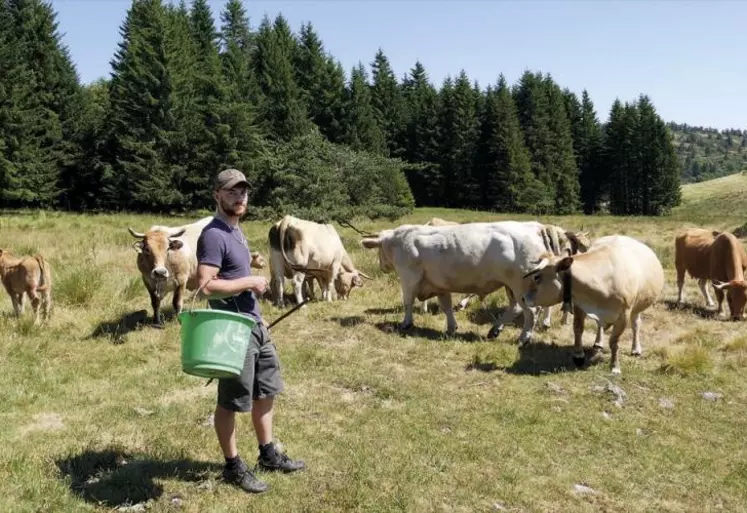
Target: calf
(612,283)
(716,256)
(30,275)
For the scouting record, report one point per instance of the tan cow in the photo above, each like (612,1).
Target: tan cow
(30,275)
(258,261)
(167,261)
(307,249)
(612,283)
(716,256)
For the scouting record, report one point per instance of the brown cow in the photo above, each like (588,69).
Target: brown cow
(167,261)
(258,261)
(716,256)
(27,275)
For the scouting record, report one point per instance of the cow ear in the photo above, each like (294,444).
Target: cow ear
(175,244)
(371,243)
(564,264)
(138,246)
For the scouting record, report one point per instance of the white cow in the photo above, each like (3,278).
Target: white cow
(472,258)
(304,248)
(612,283)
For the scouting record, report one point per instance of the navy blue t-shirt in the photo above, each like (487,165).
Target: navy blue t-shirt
(225,247)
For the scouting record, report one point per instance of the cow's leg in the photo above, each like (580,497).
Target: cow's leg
(564,319)
(546,318)
(178,300)
(508,315)
(298,279)
(16,304)
(526,332)
(617,330)
(680,284)
(408,297)
(579,317)
(444,300)
(704,290)
(21,298)
(424,307)
(35,303)
(598,342)
(155,303)
(276,288)
(47,303)
(464,302)
(720,301)
(637,350)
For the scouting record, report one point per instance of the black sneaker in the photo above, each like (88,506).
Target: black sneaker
(272,460)
(242,477)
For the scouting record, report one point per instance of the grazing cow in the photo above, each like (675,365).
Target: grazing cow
(474,258)
(612,283)
(30,275)
(437,221)
(303,249)
(716,256)
(167,261)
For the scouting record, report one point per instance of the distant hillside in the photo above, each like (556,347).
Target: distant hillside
(707,153)
(722,200)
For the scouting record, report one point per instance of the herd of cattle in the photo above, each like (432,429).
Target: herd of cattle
(611,280)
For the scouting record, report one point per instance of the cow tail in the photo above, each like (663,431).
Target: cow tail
(43,274)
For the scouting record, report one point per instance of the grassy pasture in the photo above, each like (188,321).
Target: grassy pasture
(97,415)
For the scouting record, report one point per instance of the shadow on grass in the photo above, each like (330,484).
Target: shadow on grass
(482,316)
(129,322)
(698,310)
(538,358)
(112,478)
(428,333)
(348,322)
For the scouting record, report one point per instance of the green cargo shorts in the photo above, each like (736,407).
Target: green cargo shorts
(260,377)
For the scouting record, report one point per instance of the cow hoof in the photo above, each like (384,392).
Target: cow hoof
(636,352)
(579,361)
(616,371)
(405,327)
(494,332)
(158,325)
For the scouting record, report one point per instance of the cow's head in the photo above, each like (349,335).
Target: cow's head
(736,296)
(347,281)
(579,242)
(379,240)
(543,285)
(258,261)
(153,248)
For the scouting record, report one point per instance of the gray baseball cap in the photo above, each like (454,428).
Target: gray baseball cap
(229,178)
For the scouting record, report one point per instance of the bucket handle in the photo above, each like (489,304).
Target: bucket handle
(194,297)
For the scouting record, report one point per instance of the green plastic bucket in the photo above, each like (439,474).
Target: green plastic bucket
(214,342)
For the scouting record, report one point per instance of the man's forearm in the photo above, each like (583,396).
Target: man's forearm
(218,287)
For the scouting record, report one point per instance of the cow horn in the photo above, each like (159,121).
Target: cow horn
(364,275)
(179,233)
(136,234)
(541,265)
(720,285)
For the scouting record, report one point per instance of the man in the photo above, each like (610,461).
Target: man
(224,259)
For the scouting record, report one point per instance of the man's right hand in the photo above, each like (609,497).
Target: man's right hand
(258,284)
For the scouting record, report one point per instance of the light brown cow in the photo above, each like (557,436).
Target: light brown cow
(30,275)
(167,261)
(612,283)
(437,221)
(716,256)
(305,248)
(258,261)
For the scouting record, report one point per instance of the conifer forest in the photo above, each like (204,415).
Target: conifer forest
(190,92)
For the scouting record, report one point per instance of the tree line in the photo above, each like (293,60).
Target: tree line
(187,97)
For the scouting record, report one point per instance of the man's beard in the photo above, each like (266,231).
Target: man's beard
(233,210)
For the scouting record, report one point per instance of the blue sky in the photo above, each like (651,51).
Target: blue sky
(686,55)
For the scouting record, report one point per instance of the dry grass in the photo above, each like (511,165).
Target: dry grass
(97,413)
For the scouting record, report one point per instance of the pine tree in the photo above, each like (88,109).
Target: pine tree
(618,157)
(593,180)
(281,109)
(533,108)
(507,179)
(458,143)
(141,120)
(42,143)
(419,139)
(322,84)
(563,162)
(238,46)
(386,99)
(362,131)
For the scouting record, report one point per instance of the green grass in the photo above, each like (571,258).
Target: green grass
(97,413)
